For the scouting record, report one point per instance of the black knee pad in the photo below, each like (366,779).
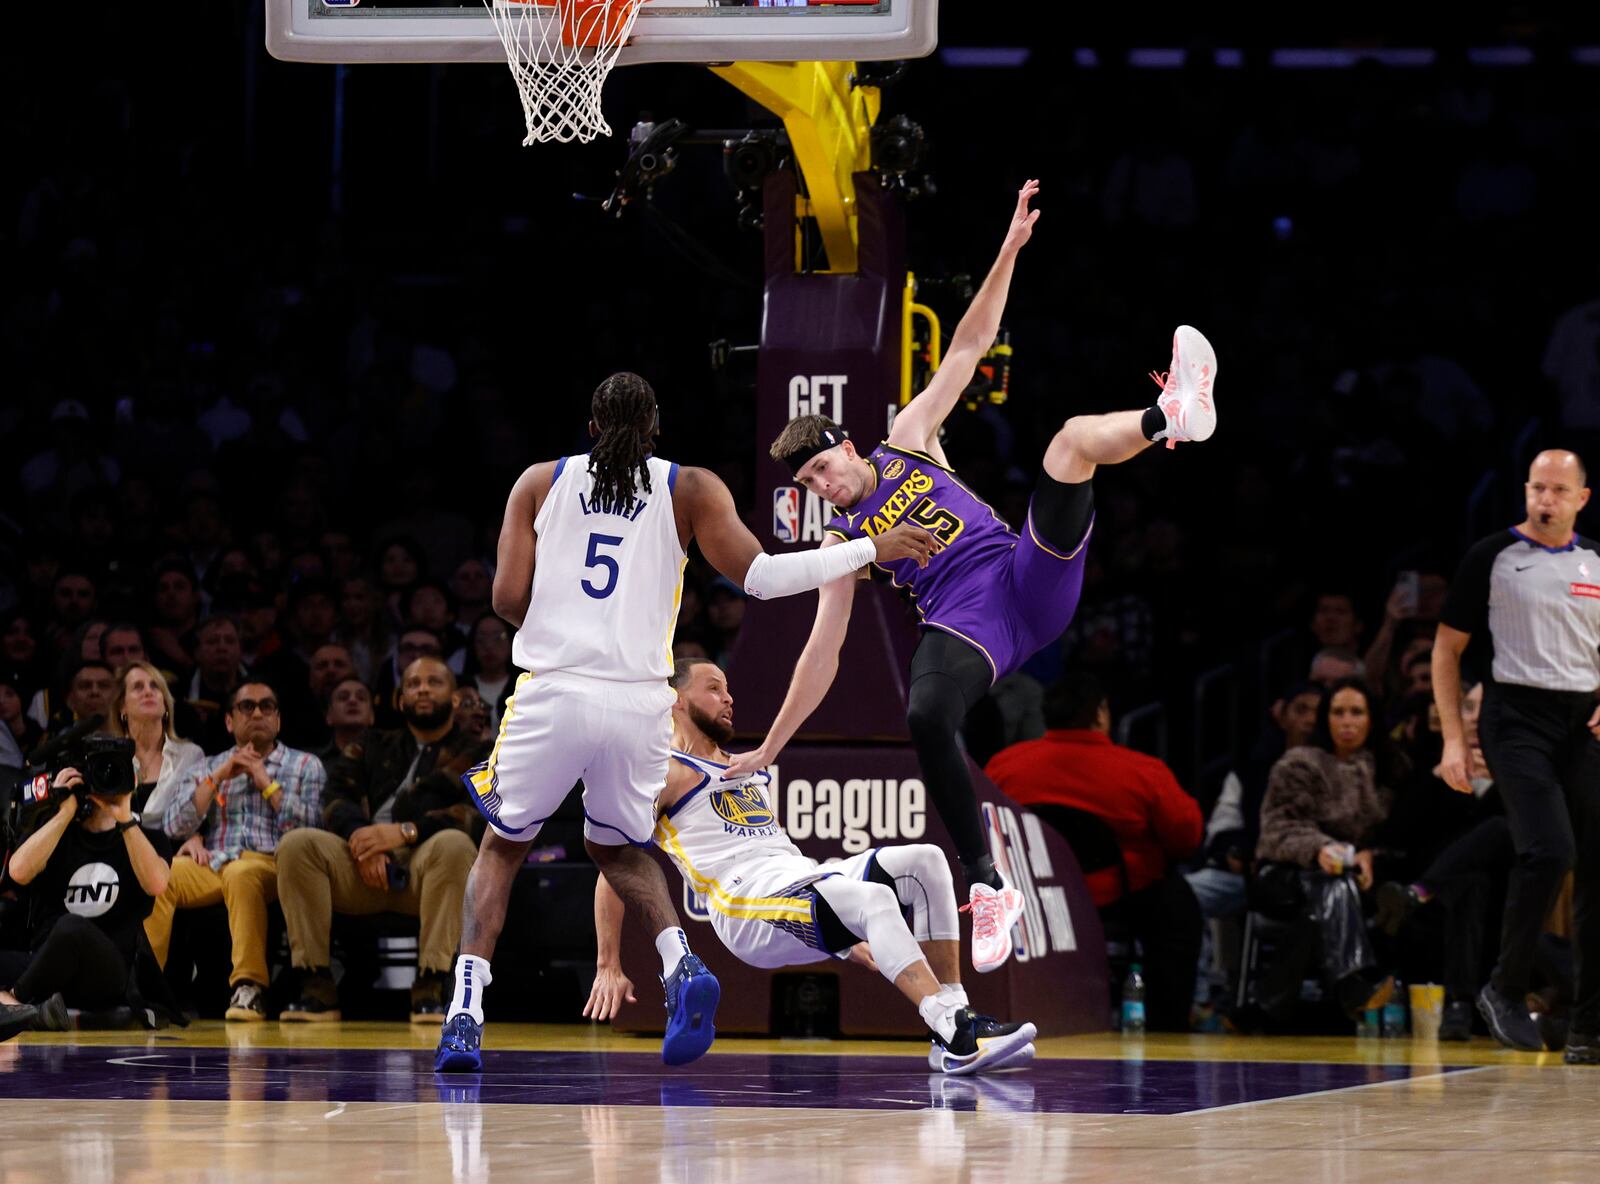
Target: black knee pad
(1062,512)
(830,930)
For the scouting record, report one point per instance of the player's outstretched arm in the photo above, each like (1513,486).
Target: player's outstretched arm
(730,547)
(513,573)
(611,986)
(813,673)
(917,426)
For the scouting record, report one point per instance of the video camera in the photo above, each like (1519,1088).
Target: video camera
(106,763)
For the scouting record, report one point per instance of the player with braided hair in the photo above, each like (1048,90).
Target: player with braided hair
(594,617)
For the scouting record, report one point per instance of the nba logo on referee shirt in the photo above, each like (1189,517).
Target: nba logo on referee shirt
(786,514)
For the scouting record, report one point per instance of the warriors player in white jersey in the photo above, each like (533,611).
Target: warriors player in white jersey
(594,621)
(773,906)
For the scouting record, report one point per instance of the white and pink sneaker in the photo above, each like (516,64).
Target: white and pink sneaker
(994,914)
(1186,389)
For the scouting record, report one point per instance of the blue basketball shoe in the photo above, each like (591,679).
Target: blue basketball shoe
(692,997)
(459,1043)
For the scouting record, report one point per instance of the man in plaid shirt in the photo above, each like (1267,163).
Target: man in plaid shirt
(246,799)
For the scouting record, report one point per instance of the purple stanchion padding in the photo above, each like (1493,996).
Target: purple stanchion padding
(40,1073)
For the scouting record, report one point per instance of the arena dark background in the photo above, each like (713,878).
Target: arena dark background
(1378,254)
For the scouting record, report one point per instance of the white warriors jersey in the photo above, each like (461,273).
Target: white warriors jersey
(606,585)
(720,832)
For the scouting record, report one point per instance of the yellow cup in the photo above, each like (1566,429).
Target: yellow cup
(1427,1010)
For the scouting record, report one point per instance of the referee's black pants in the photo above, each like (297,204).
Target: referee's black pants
(1547,767)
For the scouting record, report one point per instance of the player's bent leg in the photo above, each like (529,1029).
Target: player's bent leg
(1085,442)
(1184,411)
(962,1041)
(692,991)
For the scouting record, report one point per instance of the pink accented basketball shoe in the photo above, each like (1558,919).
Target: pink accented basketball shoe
(1186,389)
(993,916)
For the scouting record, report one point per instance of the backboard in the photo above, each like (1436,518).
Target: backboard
(665,31)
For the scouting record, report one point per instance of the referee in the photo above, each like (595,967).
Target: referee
(1532,593)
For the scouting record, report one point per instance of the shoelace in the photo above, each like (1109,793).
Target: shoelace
(985,916)
(1169,386)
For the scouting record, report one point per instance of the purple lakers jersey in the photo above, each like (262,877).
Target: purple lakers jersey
(973,545)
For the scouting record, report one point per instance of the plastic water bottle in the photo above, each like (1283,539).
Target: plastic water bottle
(1370,1026)
(1394,1012)
(1133,1001)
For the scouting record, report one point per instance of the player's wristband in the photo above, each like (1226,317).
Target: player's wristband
(801,571)
(272,788)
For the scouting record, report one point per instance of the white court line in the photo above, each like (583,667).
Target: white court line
(1342,1089)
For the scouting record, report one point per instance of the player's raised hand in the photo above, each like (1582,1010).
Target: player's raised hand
(904,541)
(1023,219)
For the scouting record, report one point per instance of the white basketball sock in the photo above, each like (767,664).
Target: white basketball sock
(672,944)
(955,991)
(472,978)
(939,1013)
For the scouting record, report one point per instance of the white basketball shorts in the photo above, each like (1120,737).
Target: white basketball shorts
(561,729)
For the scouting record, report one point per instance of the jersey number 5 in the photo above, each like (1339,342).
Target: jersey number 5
(936,520)
(605,562)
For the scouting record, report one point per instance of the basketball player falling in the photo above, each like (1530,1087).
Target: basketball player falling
(988,598)
(594,618)
(772,906)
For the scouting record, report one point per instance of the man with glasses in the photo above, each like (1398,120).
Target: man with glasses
(245,800)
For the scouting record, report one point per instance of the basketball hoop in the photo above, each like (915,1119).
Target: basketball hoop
(561,64)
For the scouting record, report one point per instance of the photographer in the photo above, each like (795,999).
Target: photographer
(91,875)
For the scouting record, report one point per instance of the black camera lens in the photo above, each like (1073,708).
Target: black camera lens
(108,766)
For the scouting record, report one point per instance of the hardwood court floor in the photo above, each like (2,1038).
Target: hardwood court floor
(356,1102)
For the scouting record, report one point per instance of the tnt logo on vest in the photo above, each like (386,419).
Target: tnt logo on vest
(93,890)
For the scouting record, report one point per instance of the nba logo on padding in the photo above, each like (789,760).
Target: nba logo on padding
(786,514)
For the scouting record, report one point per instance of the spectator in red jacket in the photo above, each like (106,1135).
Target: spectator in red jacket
(1155,822)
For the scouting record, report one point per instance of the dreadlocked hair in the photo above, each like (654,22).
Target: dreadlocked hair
(624,410)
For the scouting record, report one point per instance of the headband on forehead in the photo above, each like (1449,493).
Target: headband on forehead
(831,438)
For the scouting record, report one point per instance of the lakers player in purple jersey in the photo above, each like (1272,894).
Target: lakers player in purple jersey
(990,597)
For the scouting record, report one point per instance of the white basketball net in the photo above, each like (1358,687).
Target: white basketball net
(560,83)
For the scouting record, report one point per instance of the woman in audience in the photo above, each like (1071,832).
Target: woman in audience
(489,666)
(1325,803)
(401,563)
(143,711)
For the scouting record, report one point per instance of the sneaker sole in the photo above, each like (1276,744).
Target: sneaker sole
(1194,345)
(992,1055)
(1012,1060)
(453,1060)
(698,1005)
(243,1015)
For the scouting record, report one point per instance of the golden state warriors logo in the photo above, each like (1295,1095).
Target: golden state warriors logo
(744,807)
(893,469)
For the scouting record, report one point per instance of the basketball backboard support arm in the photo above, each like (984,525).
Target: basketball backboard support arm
(829,120)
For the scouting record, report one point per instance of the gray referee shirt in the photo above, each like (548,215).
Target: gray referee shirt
(1538,606)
